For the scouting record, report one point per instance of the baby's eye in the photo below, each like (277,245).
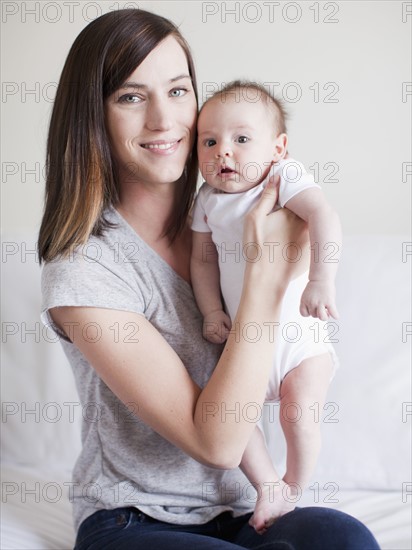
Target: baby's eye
(130,98)
(178,92)
(210,142)
(242,139)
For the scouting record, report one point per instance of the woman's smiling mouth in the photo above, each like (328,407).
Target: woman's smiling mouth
(161,147)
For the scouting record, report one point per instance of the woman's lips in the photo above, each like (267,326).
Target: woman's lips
(161,147)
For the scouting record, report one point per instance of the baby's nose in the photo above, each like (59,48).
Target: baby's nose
(224,151)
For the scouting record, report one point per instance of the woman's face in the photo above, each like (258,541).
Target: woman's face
(151,119)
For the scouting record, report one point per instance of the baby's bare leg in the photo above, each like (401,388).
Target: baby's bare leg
(258,467)
(303,389)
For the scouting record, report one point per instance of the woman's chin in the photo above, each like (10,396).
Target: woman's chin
(156,175)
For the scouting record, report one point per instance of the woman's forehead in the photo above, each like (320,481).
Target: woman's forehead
(165,64)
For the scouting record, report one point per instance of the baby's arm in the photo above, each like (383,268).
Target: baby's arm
(272,500)
(204,270)
(318,298)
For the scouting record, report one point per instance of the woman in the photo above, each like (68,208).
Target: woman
(158,468)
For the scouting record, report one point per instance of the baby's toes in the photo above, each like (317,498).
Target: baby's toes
(258,522)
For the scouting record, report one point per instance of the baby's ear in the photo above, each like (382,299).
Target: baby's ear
(281,146)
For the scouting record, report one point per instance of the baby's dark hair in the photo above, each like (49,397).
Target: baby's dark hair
(242,88)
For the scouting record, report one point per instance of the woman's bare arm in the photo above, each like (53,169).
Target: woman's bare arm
(149,374)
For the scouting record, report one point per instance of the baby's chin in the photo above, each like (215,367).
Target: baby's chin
(230,185)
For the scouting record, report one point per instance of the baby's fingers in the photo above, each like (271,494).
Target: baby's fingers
(333,311)
(322,312)
(304,311)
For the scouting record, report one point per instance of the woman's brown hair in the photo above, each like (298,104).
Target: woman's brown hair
(81,179)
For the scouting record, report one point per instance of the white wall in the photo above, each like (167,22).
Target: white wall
(342,67)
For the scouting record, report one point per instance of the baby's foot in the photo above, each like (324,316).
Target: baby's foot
(272,503)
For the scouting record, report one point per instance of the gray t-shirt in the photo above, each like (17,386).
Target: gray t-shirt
(124,462)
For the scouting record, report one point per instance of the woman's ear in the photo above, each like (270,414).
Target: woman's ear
(281,147)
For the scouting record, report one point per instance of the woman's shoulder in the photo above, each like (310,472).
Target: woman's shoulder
(105,249)
(106,271)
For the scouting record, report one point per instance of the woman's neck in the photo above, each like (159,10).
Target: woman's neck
(147,211)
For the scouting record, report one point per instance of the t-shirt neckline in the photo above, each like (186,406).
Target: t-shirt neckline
(150,250)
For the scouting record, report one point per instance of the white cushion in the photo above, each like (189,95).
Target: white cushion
(365,423)
(41,412)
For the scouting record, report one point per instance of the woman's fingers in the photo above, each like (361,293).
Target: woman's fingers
(269,197)
(256,221)
(280,238)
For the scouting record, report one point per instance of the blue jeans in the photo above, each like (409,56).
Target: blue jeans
(311,528)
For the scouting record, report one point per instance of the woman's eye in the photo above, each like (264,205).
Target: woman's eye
(210,142)
(243,139)
(178,92)
(130,98)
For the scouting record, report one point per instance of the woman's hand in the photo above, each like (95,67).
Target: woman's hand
(277,242)
(148,372)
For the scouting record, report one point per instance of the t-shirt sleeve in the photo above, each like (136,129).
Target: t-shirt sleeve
(293,180)
(199,222)
(86,282)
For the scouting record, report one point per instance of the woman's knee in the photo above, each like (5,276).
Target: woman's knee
(318,528)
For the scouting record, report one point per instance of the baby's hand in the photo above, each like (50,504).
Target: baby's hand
(216,326)
(272,503)
(318,300)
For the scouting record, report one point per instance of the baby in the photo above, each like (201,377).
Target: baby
(242,142)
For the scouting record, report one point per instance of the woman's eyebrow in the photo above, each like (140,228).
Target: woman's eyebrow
(180,77)
(137,85)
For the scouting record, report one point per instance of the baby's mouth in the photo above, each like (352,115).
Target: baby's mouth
(226,170)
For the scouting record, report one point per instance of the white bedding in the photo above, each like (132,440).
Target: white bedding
(366,426)
(43,521)
(36,516)
(383,512)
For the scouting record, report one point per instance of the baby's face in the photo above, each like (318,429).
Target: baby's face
(237,142)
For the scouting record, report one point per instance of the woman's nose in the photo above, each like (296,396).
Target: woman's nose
(158,115)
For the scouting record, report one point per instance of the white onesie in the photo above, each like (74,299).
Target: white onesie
(223,214)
